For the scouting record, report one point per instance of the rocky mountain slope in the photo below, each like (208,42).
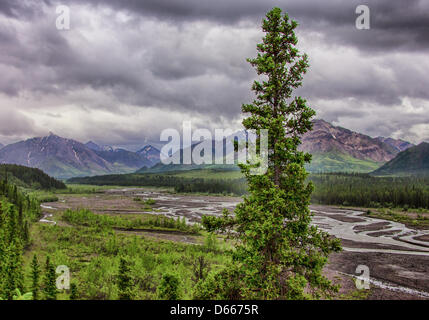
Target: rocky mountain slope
(336,149)
(326,138)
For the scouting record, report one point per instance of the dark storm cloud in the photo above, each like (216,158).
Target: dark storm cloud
(400,25)
(163,74)
(189,57)
(397,25)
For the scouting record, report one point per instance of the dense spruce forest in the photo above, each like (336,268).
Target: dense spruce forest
(180,184)
(29,177)
(347,189)
(368,191)
(17,212)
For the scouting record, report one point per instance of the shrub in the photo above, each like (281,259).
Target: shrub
(211,243)
(221,285)
(150,202)
(169,287)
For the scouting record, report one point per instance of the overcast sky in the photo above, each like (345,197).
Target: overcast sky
(127,69)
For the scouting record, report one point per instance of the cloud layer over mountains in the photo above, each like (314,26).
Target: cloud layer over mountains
(128,69)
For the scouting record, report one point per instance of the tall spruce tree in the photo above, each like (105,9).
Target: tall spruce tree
(279,254)
(35,277)
(124,280)
(50,286)
(73,291)
(13,271)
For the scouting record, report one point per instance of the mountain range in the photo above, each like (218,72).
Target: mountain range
(64,158)
(121,157)
(333,148)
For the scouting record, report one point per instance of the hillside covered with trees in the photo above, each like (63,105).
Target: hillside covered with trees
(29,177)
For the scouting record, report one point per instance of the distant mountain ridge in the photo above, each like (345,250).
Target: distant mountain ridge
(125,158)
(93,146)
(56,156)
(412,161)
(398,144)
(64,158)
(150,153)
(1,145)
(148,156)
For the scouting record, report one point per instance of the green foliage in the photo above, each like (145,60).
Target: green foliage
(19,296)
(86,217)
(200,268)
(278,254)
(340,162)
(210,242)
(356,189)
(17,211)
(124,280)
(29,177)
(364,190)
(25,296)
(50,287)
(12,270)
(93,255)
(411,162)
(47,198)
(226,284)
(150,202)
(169,288)
(235,186)
(35,277)
(73,291)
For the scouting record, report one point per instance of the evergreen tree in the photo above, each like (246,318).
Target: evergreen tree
(50,286)
(169,287)
(12,272)
(278,253)
(35,276)
(73,291)
(124,280)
